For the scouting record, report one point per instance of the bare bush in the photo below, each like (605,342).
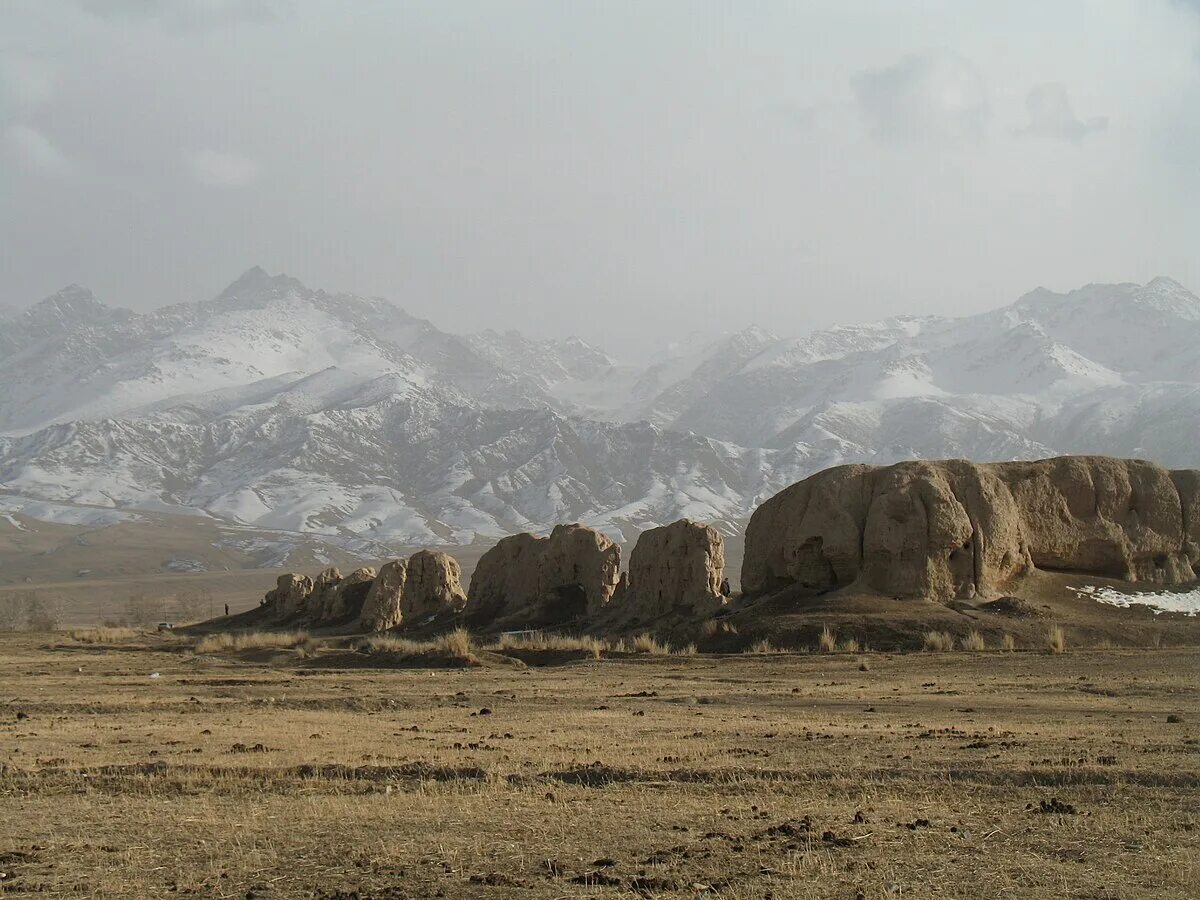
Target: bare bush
(29,611)
(12,612)
(193,605)
(142,611)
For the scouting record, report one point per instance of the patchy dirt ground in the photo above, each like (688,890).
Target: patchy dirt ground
(140,770)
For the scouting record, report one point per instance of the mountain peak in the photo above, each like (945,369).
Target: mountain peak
(72,301)
(256,281)
(1169,296)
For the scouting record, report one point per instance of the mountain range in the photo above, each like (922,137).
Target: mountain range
(280,407)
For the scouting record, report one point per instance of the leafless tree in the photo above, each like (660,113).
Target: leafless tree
(12,611)
(30,611)
(43,613)
(193,604)
(142,611)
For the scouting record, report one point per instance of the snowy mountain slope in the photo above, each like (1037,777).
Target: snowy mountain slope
(72,358)
(398,470)
(1057,355)
(277,407)
(665,390)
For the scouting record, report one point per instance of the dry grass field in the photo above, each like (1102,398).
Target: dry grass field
(139,768)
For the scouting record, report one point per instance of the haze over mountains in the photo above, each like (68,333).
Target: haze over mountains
(286,408)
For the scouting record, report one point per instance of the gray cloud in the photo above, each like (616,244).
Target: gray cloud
(540,166)
(217,169)
(30,147)
(934,96)
(190,15)
(1051,116)
(26,81)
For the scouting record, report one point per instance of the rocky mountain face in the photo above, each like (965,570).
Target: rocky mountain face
(277,406)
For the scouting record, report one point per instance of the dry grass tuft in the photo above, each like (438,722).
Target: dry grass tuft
(251,640)
(827,642)
(973,641)
(457,643)
(764,646)
(645,643)
(686,650)
(714,627)
(104,634)
(538,640)
(1008,643)
(850,645)
(688,743)
(387,643)
(939,641)
(1056,639)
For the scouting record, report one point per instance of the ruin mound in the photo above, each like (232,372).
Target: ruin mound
(956,530)
(539,580)
(678,568)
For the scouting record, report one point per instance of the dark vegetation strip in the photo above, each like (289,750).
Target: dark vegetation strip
(126,777)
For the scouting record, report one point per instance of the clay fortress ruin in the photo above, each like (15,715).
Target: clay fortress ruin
(949,531)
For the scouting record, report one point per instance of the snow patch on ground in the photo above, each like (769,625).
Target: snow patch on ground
(1186,602)
(60,514)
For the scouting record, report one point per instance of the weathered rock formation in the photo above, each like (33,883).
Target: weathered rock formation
(433,585)
(333,598)
(289,596)
(506,577)
(1187,483)
(678,568)
(347,599)
(580,563)
(428,583)
(322,597)
(569,574)
(954,529)
(383,607)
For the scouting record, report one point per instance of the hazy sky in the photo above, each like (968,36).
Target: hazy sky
(626,171)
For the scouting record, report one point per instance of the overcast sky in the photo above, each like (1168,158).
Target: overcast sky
(632,172)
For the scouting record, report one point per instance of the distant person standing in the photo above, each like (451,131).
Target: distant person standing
(227,609)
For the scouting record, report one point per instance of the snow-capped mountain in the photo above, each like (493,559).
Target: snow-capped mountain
(1105,369)
(277,406)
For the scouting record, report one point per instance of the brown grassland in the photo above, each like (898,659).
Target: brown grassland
(143,768)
